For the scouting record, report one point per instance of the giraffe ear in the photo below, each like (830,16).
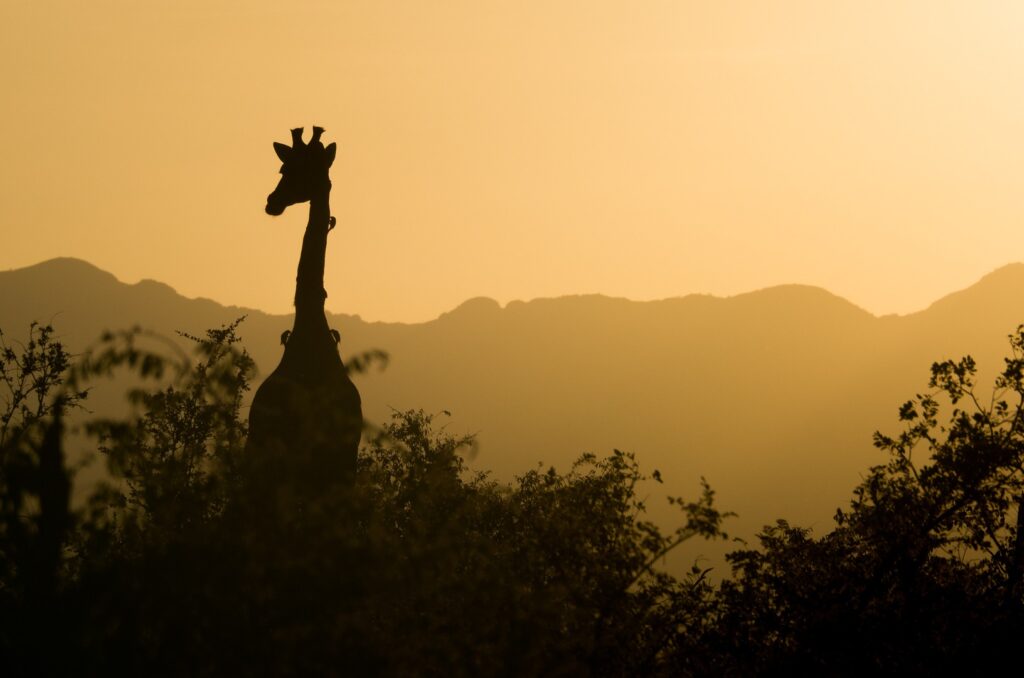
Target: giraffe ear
(282,151)
(332,149)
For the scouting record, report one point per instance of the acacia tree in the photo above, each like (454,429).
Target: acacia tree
(961,499)
(923,570)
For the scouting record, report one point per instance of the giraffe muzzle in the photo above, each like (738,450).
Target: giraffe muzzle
(274,208)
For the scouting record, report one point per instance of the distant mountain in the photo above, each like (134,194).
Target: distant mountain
(772,395)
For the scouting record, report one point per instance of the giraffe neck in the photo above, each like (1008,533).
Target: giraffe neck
(309,283)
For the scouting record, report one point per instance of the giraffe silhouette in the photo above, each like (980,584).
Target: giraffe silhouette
(307,413)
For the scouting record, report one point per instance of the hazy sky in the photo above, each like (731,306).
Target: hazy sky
(520,149)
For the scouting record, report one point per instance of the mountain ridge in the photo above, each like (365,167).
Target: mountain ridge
(74,265)
(773,394)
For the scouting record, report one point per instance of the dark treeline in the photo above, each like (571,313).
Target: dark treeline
(194,558)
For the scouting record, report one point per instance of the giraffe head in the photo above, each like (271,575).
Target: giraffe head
(303,170)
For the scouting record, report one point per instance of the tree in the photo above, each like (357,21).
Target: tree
(35,486)
(193,559)
(925,566)
(178,457)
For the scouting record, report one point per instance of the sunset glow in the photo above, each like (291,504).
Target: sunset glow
(519,150)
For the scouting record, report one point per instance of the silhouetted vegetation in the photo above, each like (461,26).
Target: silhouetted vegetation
(195,558)
(922,573)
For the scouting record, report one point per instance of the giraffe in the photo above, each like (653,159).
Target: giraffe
(308,408)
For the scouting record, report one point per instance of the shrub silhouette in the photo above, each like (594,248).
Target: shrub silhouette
(196,559)
(922,573)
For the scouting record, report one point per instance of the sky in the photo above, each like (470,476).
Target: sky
(520,149)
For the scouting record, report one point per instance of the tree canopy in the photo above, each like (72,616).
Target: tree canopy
(193,558)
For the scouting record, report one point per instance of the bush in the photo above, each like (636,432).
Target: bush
(922,574)
(192,560)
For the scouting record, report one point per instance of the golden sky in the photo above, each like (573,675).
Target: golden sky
(520,149)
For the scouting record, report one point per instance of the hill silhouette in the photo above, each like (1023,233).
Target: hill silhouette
(772,395)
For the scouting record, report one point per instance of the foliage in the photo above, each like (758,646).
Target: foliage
(176,460)
(33,481)
(194,561)
(925,566)
(31,381)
